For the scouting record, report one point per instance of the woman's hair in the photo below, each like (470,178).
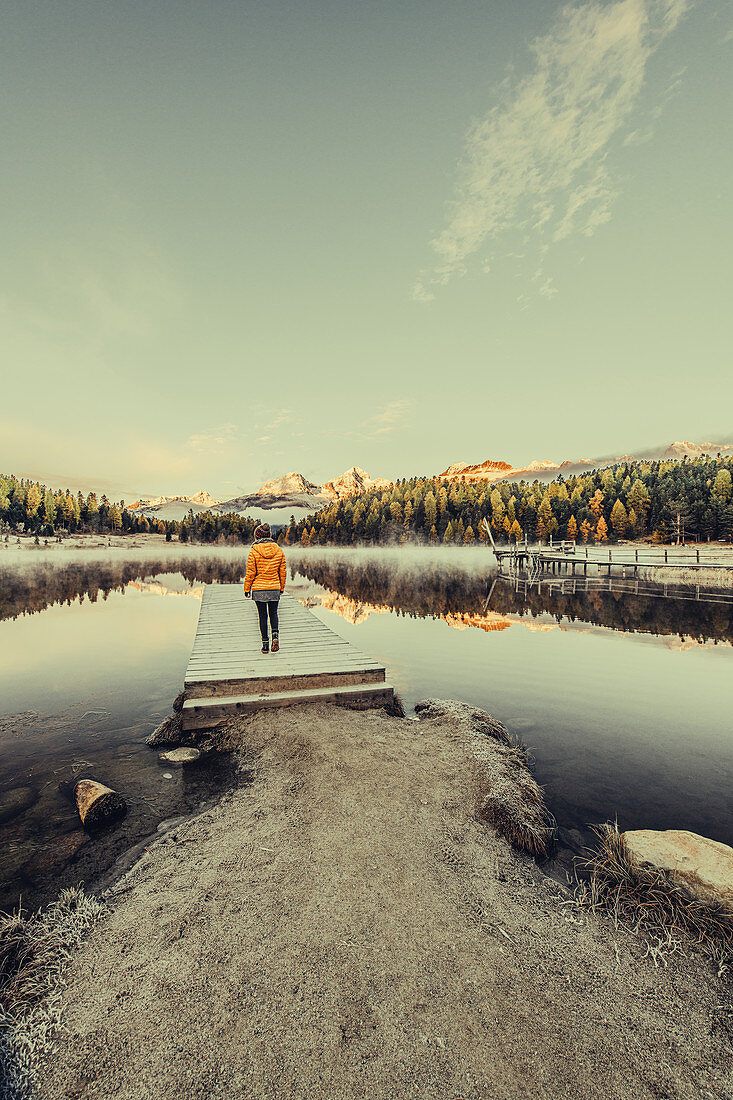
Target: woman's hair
(263,531)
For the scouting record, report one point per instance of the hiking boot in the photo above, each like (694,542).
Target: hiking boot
(265,647)
(275,643)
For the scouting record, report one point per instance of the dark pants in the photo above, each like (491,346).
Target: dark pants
(263,610)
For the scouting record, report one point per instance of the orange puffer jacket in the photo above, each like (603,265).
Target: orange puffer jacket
(265,567)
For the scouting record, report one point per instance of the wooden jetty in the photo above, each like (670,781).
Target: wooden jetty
(567,557)
(228,675)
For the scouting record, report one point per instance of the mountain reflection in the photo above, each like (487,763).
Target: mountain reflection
(356,588)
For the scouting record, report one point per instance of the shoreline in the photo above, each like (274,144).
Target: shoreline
(351,920)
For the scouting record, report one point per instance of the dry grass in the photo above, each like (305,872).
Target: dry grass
(514,803)
(508,797)
(646,898)
(34,951)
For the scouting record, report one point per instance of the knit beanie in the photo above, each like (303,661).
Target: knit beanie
(263,531)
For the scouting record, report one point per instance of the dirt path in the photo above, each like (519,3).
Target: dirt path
(345,927)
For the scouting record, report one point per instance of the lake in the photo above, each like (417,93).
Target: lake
(625,701)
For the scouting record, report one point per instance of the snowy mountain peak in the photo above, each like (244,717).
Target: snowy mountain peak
(351,482)
(287,484)
(202,497)
(481,471)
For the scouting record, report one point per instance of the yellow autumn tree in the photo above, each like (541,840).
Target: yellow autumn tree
(596,504)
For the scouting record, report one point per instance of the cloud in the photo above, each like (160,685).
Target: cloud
(392,417)
(537,163)
(213,441)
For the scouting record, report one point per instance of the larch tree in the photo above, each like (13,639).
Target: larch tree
(619,519)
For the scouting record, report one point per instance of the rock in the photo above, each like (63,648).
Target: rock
(703,867)
(180,756)
(16,801)
(53,857)
(169,732)
(572,839)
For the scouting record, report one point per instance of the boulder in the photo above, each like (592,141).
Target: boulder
(180,756)
(15,801)
(169,732)
(703,867)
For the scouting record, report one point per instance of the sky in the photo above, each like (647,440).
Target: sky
(244,238)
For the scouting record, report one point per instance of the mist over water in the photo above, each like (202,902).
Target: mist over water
(624,701)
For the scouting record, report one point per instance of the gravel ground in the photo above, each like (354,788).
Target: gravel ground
(344,926)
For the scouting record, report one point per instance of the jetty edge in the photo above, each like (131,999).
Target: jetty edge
(348,924)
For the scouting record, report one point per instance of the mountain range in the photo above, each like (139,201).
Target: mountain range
(274,502)
(293,495)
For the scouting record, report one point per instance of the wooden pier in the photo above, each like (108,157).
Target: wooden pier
(228,675)
(567,557)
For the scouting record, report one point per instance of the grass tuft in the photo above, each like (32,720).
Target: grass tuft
(34,950)
(647,898)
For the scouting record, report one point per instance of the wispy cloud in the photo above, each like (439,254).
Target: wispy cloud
(389,419)
(214,440)
(392,417)
(538,162)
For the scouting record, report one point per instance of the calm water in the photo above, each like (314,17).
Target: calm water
(625,702)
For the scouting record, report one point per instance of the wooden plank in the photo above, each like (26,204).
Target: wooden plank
(202,713)
(288,682)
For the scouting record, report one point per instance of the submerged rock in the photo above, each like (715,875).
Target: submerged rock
(15,801)
(180,756)
(703,867)
(169,732)
(53,857)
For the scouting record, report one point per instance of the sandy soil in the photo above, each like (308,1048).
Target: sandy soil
(344,926)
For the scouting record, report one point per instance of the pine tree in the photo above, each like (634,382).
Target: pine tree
(723,486)
(448,534)
(601,530)
(572,529)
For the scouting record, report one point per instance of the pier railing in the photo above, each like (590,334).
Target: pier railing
(568,557)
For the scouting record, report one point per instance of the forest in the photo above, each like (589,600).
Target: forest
(663,502)
(30,508)
(658,501)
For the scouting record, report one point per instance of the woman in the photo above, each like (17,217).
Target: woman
(264,581)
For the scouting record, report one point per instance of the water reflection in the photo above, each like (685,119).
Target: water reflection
(482,599)
(36,586)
